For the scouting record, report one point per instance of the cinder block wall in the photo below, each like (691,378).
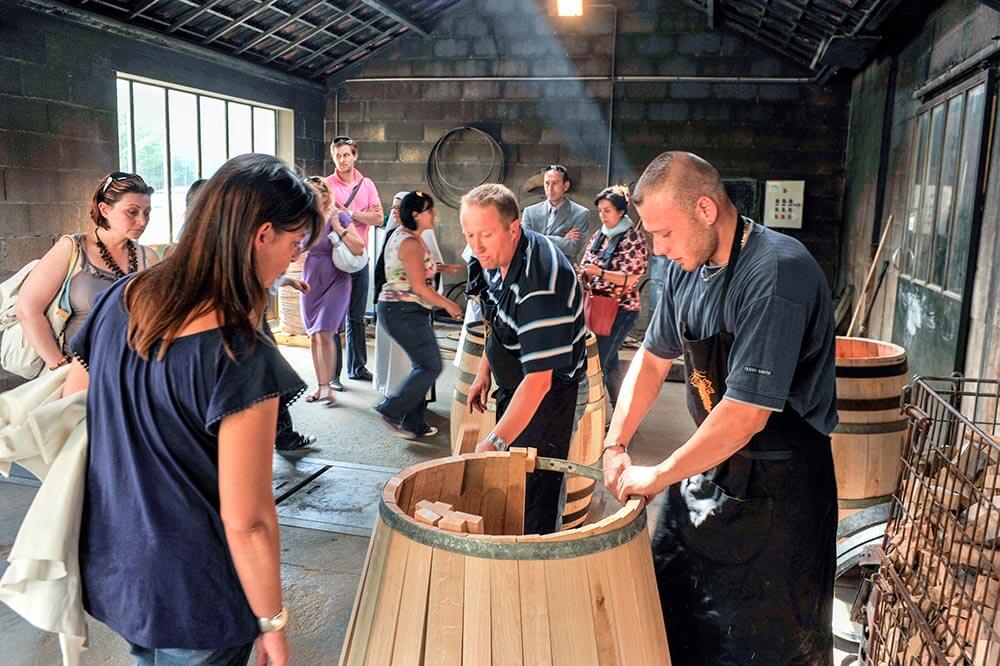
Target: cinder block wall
(58,122)
(753,129)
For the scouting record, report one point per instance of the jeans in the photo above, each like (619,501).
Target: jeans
(237,655)
(608,346)
(357,352)
(410,327)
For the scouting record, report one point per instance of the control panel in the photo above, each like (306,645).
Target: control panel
(783,203)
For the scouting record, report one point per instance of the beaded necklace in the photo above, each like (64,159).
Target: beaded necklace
(133,260)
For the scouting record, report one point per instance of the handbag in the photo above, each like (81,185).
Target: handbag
(599,312)
(343,258)
(16,354)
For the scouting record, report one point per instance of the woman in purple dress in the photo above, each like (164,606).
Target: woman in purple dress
(324,306)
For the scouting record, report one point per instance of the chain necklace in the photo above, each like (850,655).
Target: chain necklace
(709,273)
(133,261)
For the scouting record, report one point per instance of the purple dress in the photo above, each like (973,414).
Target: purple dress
(324,307)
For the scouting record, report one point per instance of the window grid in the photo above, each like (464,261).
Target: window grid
(166,226)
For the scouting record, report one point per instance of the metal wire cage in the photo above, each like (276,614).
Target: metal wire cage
(936,592)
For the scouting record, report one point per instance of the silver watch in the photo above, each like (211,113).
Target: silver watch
(269,625)
(498,442)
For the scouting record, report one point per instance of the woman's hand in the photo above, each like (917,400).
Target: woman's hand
(272,648)
(454,310)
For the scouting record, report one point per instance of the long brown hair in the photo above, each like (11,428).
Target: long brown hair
(213,267)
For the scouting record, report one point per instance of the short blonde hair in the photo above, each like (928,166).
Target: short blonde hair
(496,196)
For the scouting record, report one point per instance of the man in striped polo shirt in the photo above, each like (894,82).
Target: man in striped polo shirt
(535,345)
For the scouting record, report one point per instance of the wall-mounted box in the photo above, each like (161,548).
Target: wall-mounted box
(783,203)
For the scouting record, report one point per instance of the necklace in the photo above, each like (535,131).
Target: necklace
(709,273)
(133,261)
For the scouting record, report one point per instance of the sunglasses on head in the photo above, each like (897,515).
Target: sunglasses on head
(343,141)
(558,167)
(115,177)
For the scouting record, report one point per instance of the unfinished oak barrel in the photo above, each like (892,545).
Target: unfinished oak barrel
(868,440)
(588,437)
(467,360)
(289,304)
(428,595)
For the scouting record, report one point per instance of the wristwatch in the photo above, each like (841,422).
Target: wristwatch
(269,625)
(498,442)
(611,445)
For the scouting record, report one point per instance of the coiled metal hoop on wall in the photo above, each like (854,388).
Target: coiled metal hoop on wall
(449,193)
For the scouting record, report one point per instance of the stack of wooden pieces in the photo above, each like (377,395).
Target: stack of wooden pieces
(443,516)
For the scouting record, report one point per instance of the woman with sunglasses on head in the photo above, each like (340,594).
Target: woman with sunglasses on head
(403,306)
(179,542)
(325,304)
(615,260)
(119,209)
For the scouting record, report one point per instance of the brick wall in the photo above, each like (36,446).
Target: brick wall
(747,129)
(58,123)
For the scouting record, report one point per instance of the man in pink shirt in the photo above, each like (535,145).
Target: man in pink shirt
(357,196)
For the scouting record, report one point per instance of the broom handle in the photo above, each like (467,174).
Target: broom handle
(868,279)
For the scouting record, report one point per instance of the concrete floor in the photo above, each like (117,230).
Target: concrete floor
(320,570)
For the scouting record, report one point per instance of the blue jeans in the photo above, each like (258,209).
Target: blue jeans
(237,655)
(608,346)
(410,327)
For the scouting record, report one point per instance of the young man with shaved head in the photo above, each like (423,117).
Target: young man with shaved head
(535,342)
(745,546)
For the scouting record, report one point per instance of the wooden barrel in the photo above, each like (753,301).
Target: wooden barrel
(430,596)
(868,440)
(289,307)
(467,360)
(588,438)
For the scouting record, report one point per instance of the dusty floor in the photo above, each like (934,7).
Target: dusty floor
(320,570)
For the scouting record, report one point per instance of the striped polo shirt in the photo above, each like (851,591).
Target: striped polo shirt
(539,309)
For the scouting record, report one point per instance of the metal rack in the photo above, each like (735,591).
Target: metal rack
(936,592)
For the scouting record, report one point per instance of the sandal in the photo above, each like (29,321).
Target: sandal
(313,397)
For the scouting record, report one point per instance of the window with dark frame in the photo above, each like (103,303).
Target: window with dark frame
(173,137)
(942,188)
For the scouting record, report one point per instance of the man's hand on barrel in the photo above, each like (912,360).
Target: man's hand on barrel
(479,392)
(615,461)
(640,480)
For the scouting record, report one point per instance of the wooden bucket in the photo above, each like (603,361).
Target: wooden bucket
(868,440)
(588,439)
(429,596)
(289,305)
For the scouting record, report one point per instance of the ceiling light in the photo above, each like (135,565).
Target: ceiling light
(570,7)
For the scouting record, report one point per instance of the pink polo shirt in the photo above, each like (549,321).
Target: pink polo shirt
(366,197)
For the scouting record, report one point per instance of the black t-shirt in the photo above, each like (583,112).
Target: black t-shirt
(779,310)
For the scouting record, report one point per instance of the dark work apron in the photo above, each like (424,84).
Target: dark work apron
(550,430)
(745,553)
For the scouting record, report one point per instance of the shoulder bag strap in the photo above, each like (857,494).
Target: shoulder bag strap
(62,301)
(354,193)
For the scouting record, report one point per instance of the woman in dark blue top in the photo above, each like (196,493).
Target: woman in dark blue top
(179,546)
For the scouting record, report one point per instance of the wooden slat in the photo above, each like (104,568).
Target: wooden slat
(470,501)
(477,619)
(445,609)
(426,486)
(513,520)
(451,481)
(494,495)
(601,584)
(387,612)
(571,622)
(534,613)
(507,611)
(638,562)
(366,599)
(408,648)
